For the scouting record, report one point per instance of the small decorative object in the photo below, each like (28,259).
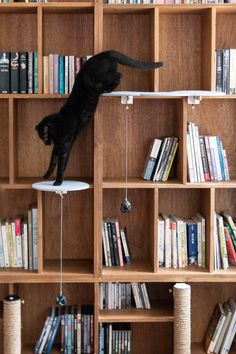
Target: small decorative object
(12,324)
(126,205)
(182,318)
(61,190)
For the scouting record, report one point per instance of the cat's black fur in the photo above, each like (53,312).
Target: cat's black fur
(97,76)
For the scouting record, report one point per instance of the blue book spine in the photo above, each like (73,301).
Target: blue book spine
(221,158)
(69,328)
(35,72)
(61,74)
(50,344)
(192,242)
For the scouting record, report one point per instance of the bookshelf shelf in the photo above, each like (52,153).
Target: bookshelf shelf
(153,32)
(160,312)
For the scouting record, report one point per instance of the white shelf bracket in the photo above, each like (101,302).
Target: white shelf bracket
(194,100)
(127,100)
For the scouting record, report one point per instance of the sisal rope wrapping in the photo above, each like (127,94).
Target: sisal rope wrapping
(12,325)
(182,318)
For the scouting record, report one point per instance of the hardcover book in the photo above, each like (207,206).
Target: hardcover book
(4,72)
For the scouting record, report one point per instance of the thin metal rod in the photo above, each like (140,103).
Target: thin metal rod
(126,151)
(61,245)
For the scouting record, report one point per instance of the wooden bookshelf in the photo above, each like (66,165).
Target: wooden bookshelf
(184,37)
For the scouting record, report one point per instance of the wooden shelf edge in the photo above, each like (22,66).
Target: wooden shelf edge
(161,311)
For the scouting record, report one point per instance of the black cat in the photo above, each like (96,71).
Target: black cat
(97,76)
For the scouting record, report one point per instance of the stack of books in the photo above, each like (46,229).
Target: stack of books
(115,246)
(59,72)
(222,328)
(114,338)
(75,324)
(207,159)
(225,70)
(181,243)
(116,296)
(160,159)
(18,72)
(224,241)
(19,241)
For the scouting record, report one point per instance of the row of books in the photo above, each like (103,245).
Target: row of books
(18,72)
(207,160)
(114,243)
(59,72)
(114,338)
(116,296)
(222,328)
(181,243)
(19,241)
(225,70)
(73,324)
(224,240)
(160,158)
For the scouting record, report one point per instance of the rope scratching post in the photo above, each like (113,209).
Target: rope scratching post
(12,325)
(182,318)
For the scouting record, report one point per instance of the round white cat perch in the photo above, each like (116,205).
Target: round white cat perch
(66,186)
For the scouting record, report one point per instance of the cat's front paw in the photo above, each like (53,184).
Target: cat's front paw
(57,183)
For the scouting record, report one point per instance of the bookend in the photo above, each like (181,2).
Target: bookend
(126,206)
(67,186)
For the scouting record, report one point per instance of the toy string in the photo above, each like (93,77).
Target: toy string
(126,151)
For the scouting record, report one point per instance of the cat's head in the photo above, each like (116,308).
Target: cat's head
(47,128)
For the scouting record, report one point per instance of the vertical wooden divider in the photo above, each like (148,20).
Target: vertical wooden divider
(155,233)
(40,47)
(98,27)
(96,315)
(12,141)
(155,43)
(208,48)
(40,230)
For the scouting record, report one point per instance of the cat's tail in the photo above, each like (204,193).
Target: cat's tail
(133,63)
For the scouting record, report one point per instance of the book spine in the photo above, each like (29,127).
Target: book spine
(125,247)
(50,75)
(35,71)
(204,159)
(61,74)
(15,72)
(226,58)
(19,242)
(30,72)
(35,237)
(4,72)
(45,75)
(23,72)
(219,70)
(55,73)
(192,243)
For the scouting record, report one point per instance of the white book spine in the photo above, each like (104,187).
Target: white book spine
(161,239)
(66,74)
(174,244)
(193,149)
(167,242)
(71,72)
(13,228)
(190,161)
(198,153)
(5,246)
(1,250)
(25,246)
